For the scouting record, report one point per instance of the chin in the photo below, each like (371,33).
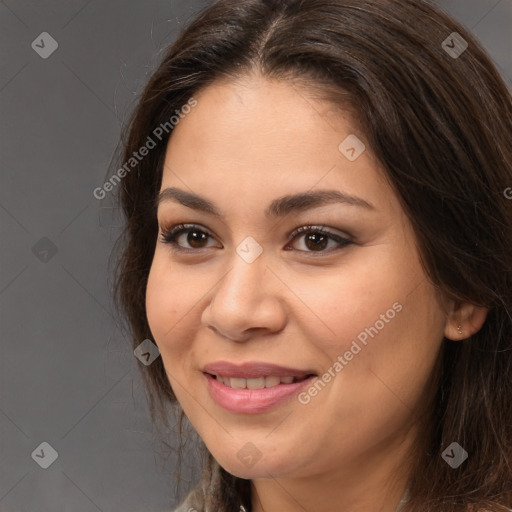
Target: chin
(256,468)
(259,470)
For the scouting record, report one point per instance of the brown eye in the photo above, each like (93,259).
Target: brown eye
(315,241)
(181,235)
(317,238)
(196,238)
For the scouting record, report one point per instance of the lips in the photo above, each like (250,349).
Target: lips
(253,387)
(252,370)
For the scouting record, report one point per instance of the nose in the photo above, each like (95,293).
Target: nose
(247,302)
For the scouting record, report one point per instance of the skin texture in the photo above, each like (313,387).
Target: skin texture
(246,143)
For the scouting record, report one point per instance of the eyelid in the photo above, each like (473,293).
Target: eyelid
(321,229)
(169,236)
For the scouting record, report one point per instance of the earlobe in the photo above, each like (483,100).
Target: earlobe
(465,320)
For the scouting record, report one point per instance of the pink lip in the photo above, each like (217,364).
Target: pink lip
(253,369)
(252,401)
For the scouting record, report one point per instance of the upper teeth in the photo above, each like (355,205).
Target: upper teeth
(255,383)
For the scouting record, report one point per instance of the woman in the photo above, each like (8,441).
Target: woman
(318,240)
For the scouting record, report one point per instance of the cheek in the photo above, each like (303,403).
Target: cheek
(338,306)
(382,318)
(166,303)
(158,303)
(391,369)
(173,310)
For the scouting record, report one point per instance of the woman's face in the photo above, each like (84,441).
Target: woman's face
(240,291)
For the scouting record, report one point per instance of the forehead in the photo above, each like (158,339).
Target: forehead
(255,110)
(270,137)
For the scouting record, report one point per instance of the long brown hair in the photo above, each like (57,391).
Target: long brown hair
(441,126)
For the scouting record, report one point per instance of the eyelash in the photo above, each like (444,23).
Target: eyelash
(169,236)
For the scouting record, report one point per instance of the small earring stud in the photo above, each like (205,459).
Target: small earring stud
(459,328)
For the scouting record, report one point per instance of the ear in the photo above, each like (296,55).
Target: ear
(464,320)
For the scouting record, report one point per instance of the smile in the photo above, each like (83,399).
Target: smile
(251,388)
(256,382)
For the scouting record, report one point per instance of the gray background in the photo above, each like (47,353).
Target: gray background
(68,376)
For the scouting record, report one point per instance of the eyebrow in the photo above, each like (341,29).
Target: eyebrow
(279,207)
